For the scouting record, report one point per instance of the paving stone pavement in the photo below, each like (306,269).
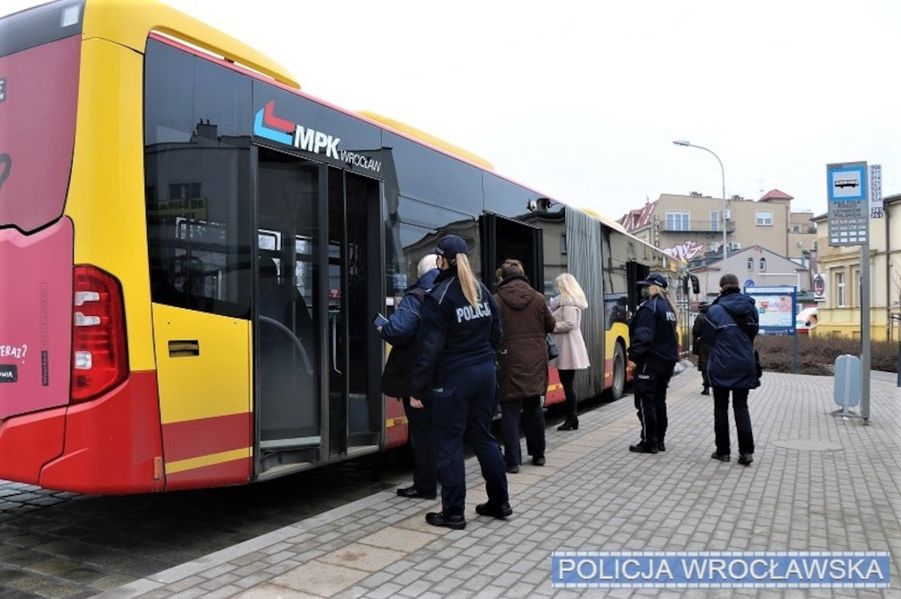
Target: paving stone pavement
(595,495)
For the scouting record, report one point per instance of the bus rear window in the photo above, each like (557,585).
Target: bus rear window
(38,97)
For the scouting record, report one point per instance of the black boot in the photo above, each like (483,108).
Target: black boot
(643,447)
(455,521)
(570,424)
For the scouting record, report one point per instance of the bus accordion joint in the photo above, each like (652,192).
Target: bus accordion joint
(99,353)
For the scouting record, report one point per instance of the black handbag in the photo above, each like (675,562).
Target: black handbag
(553,352)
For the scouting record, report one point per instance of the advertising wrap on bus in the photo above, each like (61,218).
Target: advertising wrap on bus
(38,98)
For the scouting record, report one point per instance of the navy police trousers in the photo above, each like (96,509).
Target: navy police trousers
(463,408)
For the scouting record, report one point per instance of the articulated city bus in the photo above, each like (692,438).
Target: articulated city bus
(192,250)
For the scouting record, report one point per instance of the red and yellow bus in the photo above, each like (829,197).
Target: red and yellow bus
(192,249)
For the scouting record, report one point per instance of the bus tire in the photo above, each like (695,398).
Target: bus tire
(619,371)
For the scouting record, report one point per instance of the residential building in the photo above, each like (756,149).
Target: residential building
(839,311)
(691,226)
(754,266)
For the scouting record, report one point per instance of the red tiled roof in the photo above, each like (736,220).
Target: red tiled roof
(775,194)
(637,217)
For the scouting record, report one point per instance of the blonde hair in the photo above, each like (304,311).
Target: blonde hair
(468,282)
(656,290)
(429,262)
(571,290)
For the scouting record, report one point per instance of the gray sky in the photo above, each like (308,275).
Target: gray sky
(581,100)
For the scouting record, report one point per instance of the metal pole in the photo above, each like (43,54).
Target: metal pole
(725,244)
(723,176)
(865,330)
(795,352)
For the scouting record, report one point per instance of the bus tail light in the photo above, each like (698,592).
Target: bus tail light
(99,352)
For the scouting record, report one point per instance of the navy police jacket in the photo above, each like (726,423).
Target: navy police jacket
(732,323)
(400,332)
(452,334)
(404,323)
(652,332)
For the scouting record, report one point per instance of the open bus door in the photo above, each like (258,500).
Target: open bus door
(319,281)
(635,271)
(504,239)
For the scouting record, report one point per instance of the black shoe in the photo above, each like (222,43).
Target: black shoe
(494,510)
(569,425)
(538,461)
(661,446)
(513,469)
(705,391)
(723,457)
(643,448)
(457,522)
(745,459)
(414,493)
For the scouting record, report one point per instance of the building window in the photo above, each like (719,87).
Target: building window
(840,289)
(750,264)
(796,228)
(677,221)
(715,220)
(763,265)
(764,218)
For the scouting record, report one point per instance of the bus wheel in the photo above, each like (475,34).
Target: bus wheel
(619,371)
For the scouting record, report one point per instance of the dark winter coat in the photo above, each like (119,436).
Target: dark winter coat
(400,332)
(523,355)
(652,332)
(453,334)
(731,336)
(699,347)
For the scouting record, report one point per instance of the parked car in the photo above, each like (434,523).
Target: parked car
(806,320)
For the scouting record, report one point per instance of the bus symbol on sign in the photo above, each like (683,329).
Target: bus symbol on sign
(846,182)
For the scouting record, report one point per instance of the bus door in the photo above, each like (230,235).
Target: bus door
(289,338)
(503,239)
(319,282)
(355,295)
(635,271)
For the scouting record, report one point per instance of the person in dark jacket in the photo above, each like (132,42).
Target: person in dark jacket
(523,363)
(458,337)
(699,347)
(653,350)
(732,323)
(400,332)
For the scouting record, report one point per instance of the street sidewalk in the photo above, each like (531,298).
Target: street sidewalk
(817,483)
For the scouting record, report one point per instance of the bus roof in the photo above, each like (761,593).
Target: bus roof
(130,26)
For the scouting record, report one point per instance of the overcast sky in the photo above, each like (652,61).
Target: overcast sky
(581,100)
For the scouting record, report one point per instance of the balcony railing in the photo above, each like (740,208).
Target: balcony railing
(697,226)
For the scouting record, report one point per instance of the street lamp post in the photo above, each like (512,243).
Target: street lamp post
(682,142)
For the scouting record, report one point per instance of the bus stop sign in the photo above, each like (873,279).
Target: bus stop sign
(847,188)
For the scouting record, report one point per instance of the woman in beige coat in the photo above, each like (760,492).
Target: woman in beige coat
(567,311)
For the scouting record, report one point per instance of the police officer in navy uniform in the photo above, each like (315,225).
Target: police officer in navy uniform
(458,336)
(653,349)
